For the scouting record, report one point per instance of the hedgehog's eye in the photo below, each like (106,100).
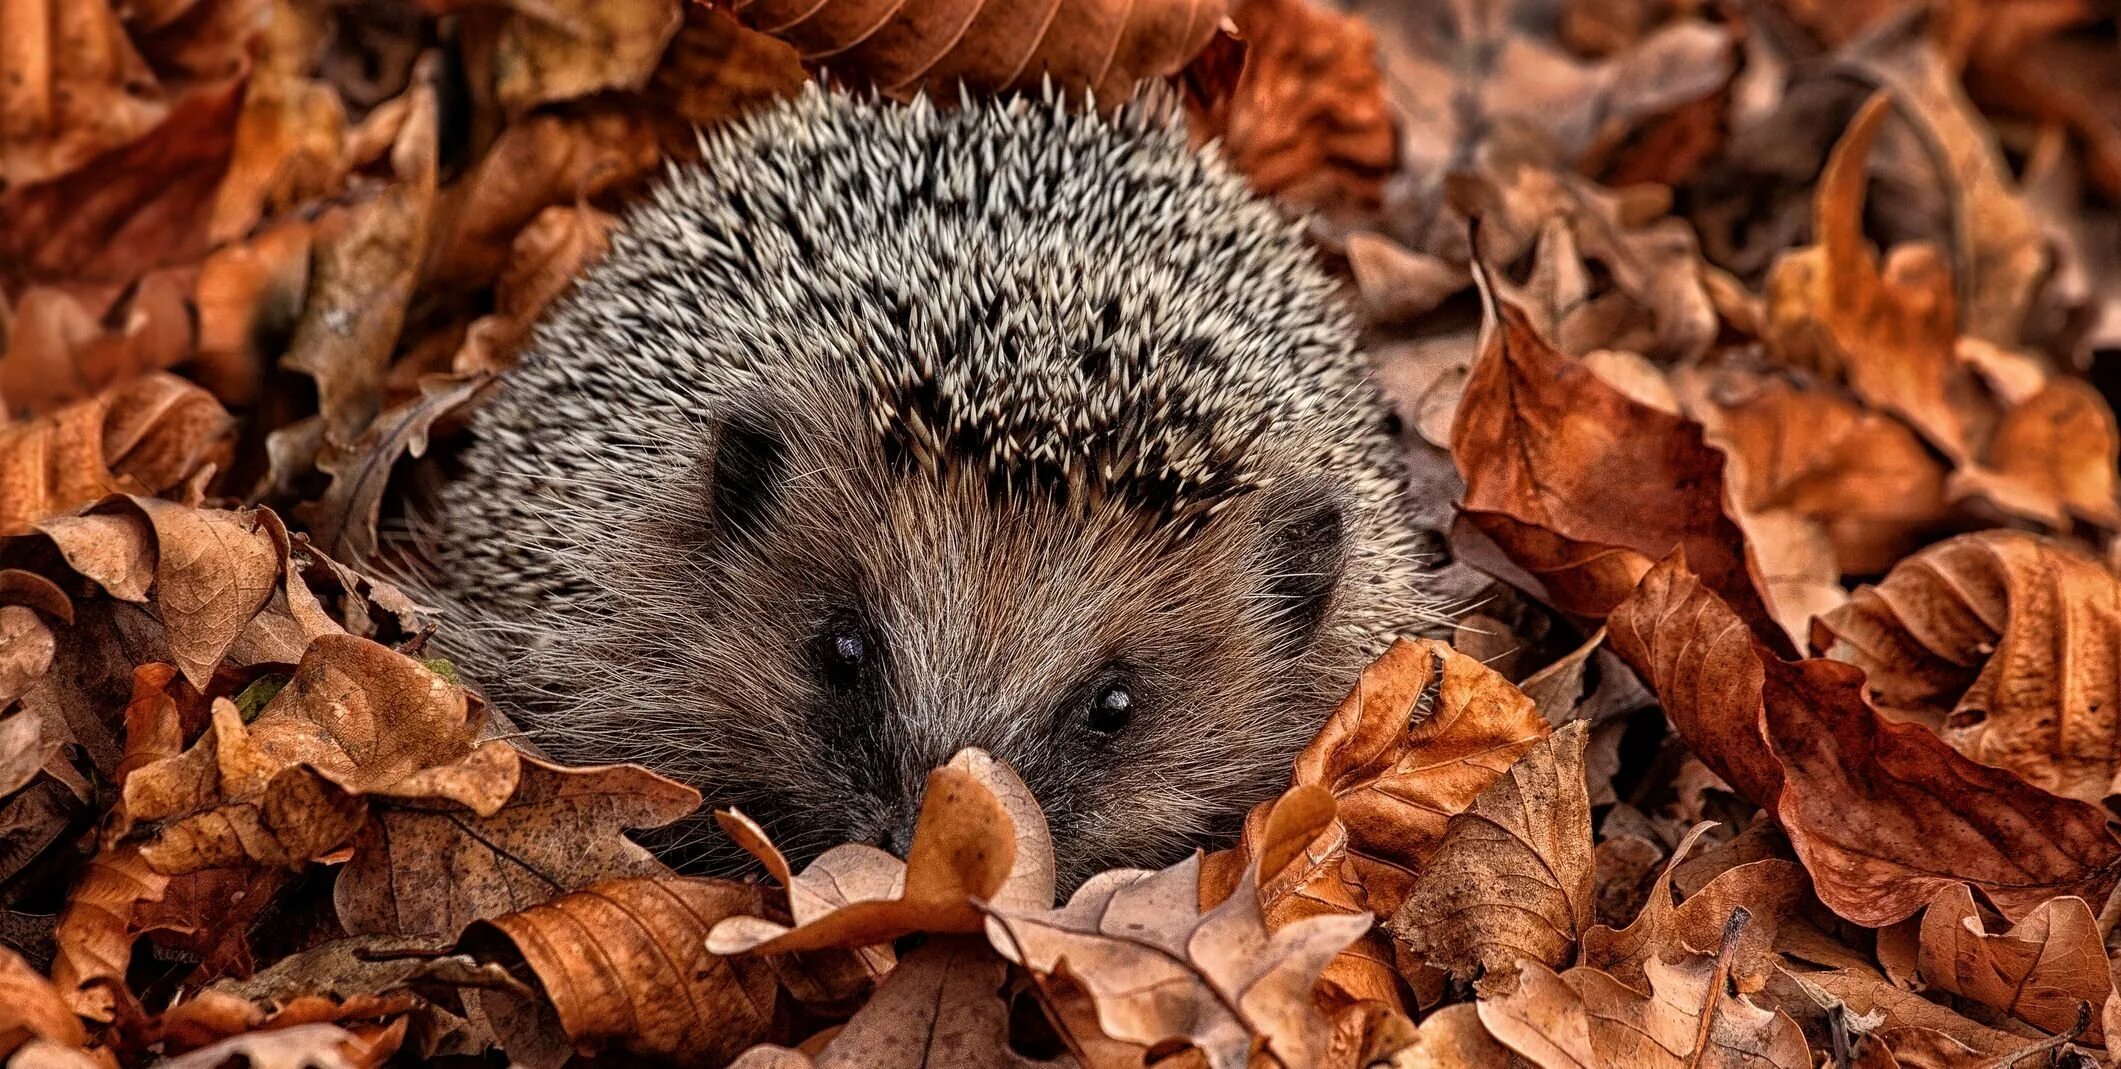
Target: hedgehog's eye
(1110,710)
(844,652)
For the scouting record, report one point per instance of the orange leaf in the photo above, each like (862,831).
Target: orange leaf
(1586,488)
(1882,814)
(154,435)
(2008,645)
(626,964)
(1101,46)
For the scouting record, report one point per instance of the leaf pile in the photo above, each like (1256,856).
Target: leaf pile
(1755,365)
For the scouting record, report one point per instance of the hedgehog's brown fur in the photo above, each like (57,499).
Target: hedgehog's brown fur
(1027,401)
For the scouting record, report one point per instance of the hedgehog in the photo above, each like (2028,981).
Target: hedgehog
(887,430)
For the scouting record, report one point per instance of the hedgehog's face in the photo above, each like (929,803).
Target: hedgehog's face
(866,621)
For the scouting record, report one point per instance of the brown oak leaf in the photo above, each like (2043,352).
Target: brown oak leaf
(1157,968)
(155,435)
(1513,880)
(1686,1019)
(495,833)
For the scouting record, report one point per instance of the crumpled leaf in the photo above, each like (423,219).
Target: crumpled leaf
(939,1009)
(980,837)
(1883,814)
(1513,880)
(355,718)
(626,964)
(2040,971)
(366,264)
(2006,644)
(496,833)
(151,435)
(1307,120)
(1584,487)
(95,932)
(68,344)
(70,89)
(2051,458)
(1585,1018)
(1094,46)
(1396,781)
(1158,968)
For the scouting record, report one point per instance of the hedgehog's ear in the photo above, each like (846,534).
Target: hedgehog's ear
(1302,554)
(744,474)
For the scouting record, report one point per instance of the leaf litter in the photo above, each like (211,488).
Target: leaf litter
(1762,358)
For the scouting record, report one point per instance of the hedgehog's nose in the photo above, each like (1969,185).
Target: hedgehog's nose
(897,836)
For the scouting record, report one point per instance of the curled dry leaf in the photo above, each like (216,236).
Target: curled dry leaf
(356,717)
(980,837)
(1584,487)
(2006,644)
(626,965)
(31,1008)
(1513,880)
(2042,971)
(1686,1019)
(1882,814)
(1095,46)
(1889,333)
(303,1046)
(1397,781)
(1307,121)
(94,934)
(154,435)
(1159,969)
(495,833)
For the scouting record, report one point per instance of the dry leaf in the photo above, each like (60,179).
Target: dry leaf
(625,963)
(980,837)
(73,87)
(2051,459)
(1307,120)
(1889,333)
(1882,814)
(2007,644)
(152,435)
(1397,780)
(1585,1018)
(1862,476)
(304,1046)
(550,50)
(355,718)
(1584,487)
(367,263)
(1159,969)
(495,834)
(33,1008)
(1097,46)
(939,1009)
(1512,881)
(2042,971)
